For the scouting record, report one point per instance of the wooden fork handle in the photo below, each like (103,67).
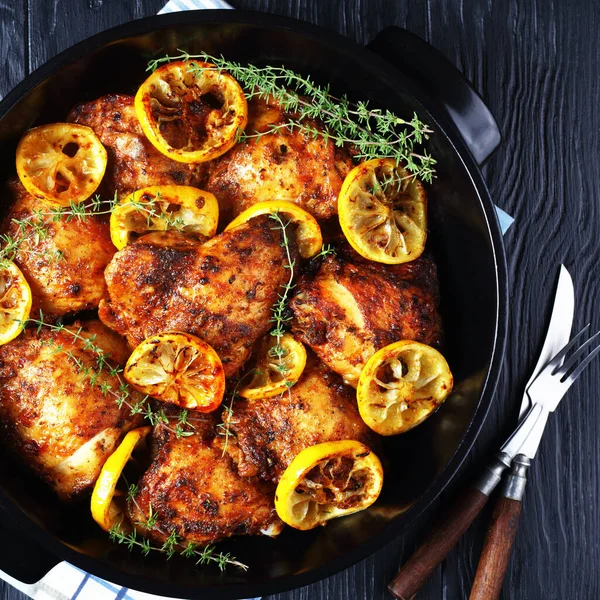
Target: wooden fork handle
(443,537)
(501,534)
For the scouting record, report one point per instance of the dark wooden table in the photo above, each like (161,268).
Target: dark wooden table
(538,67)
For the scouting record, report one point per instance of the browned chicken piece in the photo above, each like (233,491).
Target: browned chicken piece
(64,263)
(133,162)
(195,491)
(346,312)
(60,424)
(221,291)
(286,165)
(269,433)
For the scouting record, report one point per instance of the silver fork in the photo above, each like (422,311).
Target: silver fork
(555,379)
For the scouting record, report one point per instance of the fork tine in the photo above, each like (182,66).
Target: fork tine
(575,356)
(554,364)
(584,363)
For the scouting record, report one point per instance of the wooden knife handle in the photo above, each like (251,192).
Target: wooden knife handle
(501,534)
(438,543)
(443,537)
(496,551)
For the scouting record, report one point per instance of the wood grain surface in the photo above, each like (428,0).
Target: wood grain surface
(537,64)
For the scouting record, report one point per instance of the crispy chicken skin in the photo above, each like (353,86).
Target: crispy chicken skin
(287,165)
(347,311)
(269,433)
(221,291)
(61,425)
(65,266)
(196,491)
(133,162)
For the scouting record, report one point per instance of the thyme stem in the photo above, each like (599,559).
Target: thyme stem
(172,542)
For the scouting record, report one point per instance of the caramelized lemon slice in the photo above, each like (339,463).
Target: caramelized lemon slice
(191,111)
(62,162)
(383,212)
(105,511)
(178,368)
(401,385)
(162,207)
(15,301)
(278,366)
(308,232)
(326,481)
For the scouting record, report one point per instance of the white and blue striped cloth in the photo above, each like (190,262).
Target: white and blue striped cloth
(65,581)
(178,5)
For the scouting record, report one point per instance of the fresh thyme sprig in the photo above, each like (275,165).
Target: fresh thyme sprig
(224,428)
(373,132)
(326,250)
(148,206)
(172,545)
(34,228)
(102,364)
(280,317)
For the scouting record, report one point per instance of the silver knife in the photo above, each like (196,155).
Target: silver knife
(559,330)
(532,416)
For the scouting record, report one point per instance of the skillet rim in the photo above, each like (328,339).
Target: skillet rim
(395,78)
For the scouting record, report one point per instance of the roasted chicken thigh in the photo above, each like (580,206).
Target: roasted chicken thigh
(64,262)
(269,433)
(285,165)
(133,162)
(60,424)
(191,488)
(221,291)
(347,311)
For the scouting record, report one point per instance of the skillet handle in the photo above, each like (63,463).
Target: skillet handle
(21,557)
(444,83)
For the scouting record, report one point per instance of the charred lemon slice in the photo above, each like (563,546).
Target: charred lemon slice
(105,510)
(401,385)
(383,212)
(278,366)
(191,111)
(308,232)
(62,162)
(178,368)
(163,207)
(326,481)
(15,301)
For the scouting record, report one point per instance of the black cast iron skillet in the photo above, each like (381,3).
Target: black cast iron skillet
(465,238)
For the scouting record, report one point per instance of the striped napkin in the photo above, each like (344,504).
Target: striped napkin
(65,581)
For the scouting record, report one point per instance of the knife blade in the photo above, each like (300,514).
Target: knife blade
(559,330)
(532,417)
